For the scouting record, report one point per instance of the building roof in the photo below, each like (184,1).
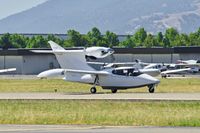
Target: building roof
(175,50)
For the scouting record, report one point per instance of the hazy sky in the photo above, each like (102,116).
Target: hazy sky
(9,7)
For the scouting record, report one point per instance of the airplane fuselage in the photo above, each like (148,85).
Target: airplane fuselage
(113,80)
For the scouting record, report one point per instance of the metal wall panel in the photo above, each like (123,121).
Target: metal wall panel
(38,63)
(14,62)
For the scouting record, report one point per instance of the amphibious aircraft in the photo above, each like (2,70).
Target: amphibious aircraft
(75,69)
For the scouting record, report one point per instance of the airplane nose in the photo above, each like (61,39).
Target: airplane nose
(111,51)
(156,81)
(150,79)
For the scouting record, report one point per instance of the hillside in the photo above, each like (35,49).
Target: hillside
(119,16)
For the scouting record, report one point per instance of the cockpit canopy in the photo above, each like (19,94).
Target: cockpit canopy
(126,72)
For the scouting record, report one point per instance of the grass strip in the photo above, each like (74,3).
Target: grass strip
(100,112)
(50,85)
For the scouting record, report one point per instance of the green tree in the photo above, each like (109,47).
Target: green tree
(195,38)
(18,41)
(166,42)
(52,37)
(111,39)
(6,41)
(159,39)
(183,40)
(74,38)
(172,35)
(150,41)
(37,42)
(95,36)
(140,36)
(128,42)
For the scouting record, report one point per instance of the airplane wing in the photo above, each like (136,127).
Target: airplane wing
(87,72)
(60,72)
(188,65)
(7,70)
(175,71)
(42,51)
(120,63)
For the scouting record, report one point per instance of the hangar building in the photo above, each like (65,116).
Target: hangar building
(28,62)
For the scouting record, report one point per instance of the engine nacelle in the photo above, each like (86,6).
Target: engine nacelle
(51,73)
(98,52)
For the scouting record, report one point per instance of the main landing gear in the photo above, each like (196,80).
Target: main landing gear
(114,90)
(151,88)
(93,90)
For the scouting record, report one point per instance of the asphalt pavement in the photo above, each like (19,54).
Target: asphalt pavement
(92,129)
(104,96)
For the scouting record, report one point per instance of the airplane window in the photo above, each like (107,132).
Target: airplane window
(126,72)
(103,52)
(137,73)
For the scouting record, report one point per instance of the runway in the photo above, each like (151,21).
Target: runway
(101,96)
(92,129)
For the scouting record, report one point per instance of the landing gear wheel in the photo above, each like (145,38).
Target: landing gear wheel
(114,90)
(93,90)
(151,89)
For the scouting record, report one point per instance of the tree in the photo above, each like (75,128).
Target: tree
(128,43)
(172,35)
(37,42)
(74,38)
(95,36)
(159,39)
(149,41)
(183,40)
(139,36)
(111,39)
(18,41)
(52,37)
(195,38)
(166,42)
(6,41)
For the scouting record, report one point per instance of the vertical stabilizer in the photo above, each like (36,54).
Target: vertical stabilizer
(70,59)
(55,46)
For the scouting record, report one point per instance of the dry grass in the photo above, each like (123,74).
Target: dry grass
(100,112)
(36,85)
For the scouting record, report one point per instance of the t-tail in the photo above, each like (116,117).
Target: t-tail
(70,59)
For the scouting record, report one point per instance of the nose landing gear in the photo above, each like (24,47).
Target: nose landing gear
(151,88)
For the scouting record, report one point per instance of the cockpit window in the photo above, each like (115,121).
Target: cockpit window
(103,52)
(126,72)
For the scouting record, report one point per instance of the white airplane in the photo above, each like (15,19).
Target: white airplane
(188,61)
(165,69)
(153,69)
(75,69)
(193,64)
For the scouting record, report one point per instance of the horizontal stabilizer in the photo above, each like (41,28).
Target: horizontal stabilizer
(60,72)
(51,73)
(8,70)
(55,52)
